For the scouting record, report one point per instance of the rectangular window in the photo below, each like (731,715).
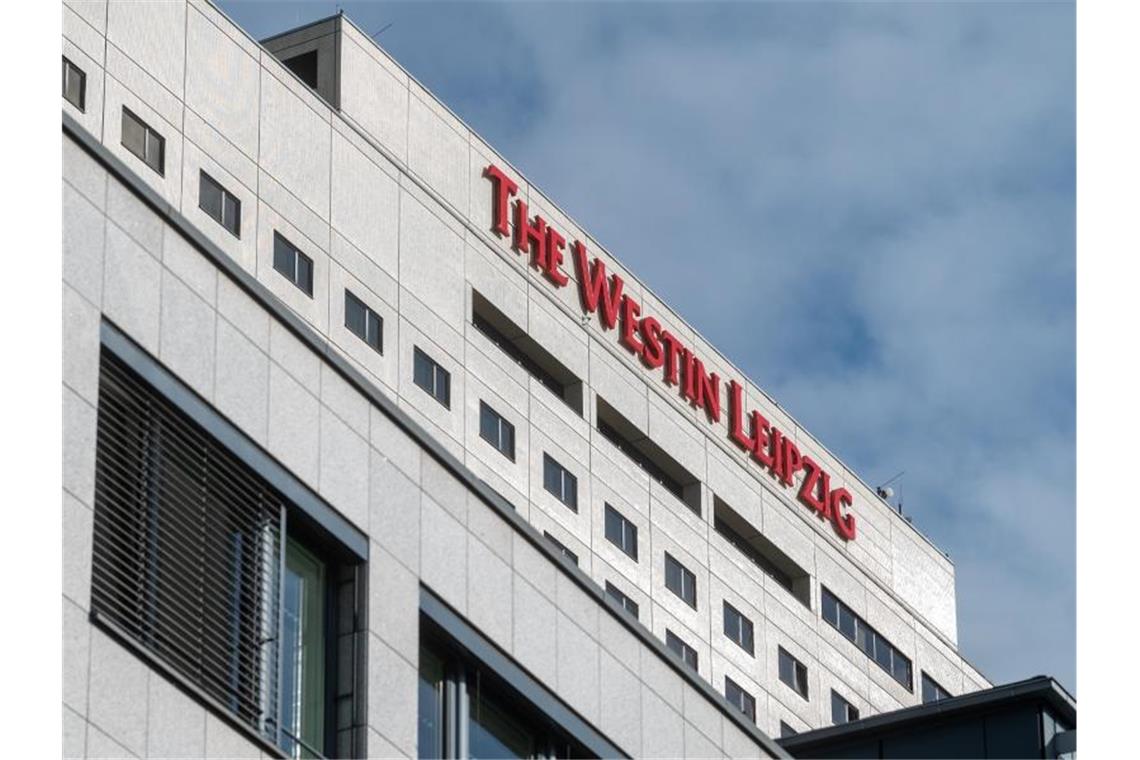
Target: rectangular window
(680,580)
(219,204)
(526,352)
(496,431)
(559,481)
(202,563)
(682,650)
(467,708)
(74,85)
(144,142)
(621,532)
(739,698)
(294,265)
(427,374)
(363,322)
(842,711)
(561,547)
(870,641)
(618,596)
(793,672)
(738,628)
(931,691)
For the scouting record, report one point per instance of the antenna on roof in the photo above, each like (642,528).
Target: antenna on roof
(381,30)
(885,492)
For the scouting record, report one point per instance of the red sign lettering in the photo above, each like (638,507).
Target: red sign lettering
(657,348)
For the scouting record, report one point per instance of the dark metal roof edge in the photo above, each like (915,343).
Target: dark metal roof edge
(1040,687)
(317,343)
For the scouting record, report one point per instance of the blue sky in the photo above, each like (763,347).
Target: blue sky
(886,189)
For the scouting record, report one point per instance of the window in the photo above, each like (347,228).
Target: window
(680,580)
(468,709)
(496,431)
(144,142)
(739,698)
(219,203)
(74,85)
(738,628)
(557,480)
(202,563)
(621,532)
(842,711)
(793,673)
(561,547)
(786,730)
(363,322)
(683,650)
(296,266)
(526,352)
(434,379)
(856,630)
(931,691)
(618,596)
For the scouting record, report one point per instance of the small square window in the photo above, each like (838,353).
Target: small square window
(560,482)
(363,322)
(294,265)
(842,711)
(621,532)
(680,580)
(139,138)
(738,628)
(496,431)
(220,204)
(931,691)
(561,547)
(74,85)
(793,673)
(683,650)
(739,698)
(427,374)
(621,598)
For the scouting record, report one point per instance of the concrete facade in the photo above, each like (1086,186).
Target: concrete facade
(387,196)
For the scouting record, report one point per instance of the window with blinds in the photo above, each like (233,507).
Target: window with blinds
(197,561)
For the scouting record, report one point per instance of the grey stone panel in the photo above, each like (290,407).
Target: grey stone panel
(176,724)
(118,693)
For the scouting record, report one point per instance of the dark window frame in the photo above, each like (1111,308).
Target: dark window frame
(682,649)
(69,67)
(683,574)
(740,698)
(553,469)
(872,643)
(932,691)
(561,548)
(148,132)
(624,599)
(847,712)
(439,384)
(204,179)
(488,413)
(371,328)
(739,629)
(626,531)
(300,271)
(799,676)
(185,451)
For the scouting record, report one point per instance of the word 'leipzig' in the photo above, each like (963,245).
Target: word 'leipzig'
(657,347)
